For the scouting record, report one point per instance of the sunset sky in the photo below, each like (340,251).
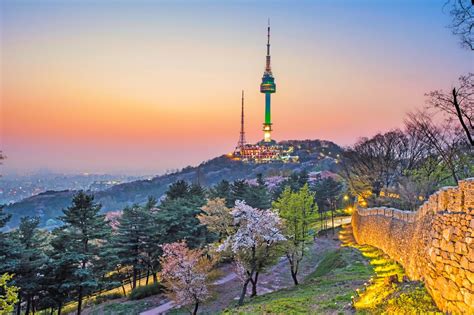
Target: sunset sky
(143,86)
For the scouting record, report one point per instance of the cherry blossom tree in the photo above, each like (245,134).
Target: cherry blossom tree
(253,243)
(185,274)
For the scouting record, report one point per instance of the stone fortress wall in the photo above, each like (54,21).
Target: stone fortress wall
(434,244)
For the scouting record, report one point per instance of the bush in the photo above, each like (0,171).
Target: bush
(145,291)
(106,297)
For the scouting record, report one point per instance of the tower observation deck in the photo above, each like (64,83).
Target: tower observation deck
(268,87)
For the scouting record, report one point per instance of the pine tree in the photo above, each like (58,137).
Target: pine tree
(328,192)
(32,259)
(129,240)
(177,220)
(9,249)
(196,190)
(59,269)
(239,191)
(87,234)
(295,182)
(152,249)
(222,190)
(258,196)
(179,189)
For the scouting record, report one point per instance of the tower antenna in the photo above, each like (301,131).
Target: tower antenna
(242,142)
(268,66)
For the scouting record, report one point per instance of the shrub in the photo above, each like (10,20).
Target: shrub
(145,291)
(107,297)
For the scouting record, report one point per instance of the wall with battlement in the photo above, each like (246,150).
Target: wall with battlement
(434,244)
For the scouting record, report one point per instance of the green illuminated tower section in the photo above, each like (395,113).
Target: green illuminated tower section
(268,87)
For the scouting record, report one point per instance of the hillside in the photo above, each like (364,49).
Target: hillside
(315,155)
(338,277)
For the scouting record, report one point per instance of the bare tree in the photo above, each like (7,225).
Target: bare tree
(378,163)
(462,12)
(458,105)
(444,140)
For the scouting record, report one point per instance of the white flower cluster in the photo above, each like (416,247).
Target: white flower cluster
(255,228)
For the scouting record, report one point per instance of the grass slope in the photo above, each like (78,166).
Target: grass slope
(351,279)
(327,290)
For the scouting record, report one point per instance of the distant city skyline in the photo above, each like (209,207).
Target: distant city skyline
(141,87)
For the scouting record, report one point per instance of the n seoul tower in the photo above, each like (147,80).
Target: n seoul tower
(268,87)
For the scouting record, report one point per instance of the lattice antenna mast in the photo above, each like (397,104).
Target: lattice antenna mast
(268,67)
(242,142)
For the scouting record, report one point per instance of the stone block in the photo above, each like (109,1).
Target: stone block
(470,255)
(447,233)
(470,276)
(464,263)
(468,296)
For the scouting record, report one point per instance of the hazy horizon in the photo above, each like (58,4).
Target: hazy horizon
(143,87)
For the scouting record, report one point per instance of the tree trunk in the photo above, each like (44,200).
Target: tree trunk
(295,279)
(461,120)
(254,285)
(321,219)
(18,309)
(134,281)
(147,276)
(196,308)
(293,268)
(79,302)
(155,278)
(244,292)
(123,289)
(60,306)
(28,304)
(332,219)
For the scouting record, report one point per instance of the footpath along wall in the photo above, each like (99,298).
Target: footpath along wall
(434,244)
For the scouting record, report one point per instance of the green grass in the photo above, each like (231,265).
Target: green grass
(347,280)
(328,289)
(350,279)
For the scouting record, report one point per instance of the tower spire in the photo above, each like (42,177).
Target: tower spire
(242,142)
(268,66)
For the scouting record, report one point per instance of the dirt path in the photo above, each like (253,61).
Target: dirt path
(170,305)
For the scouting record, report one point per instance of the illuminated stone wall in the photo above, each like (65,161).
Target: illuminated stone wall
(434,244)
